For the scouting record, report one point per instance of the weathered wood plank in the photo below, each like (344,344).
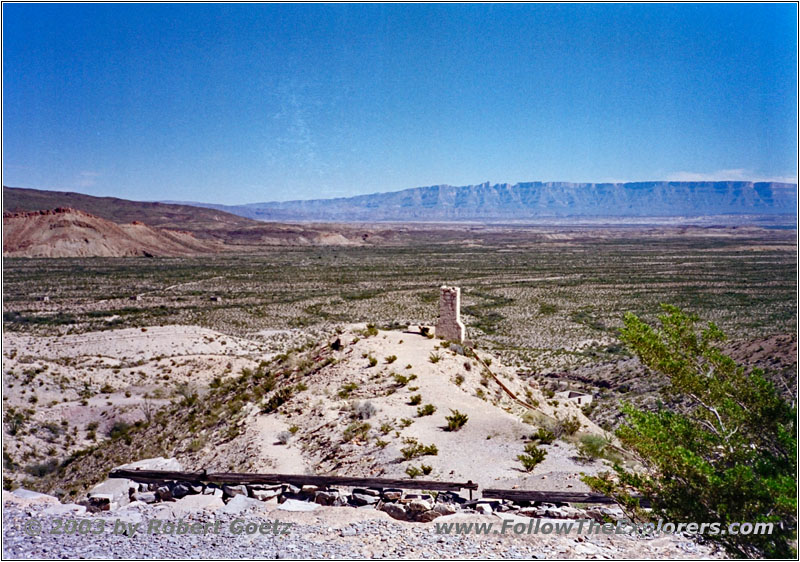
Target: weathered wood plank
(551,497)
(295,479)
(158,475)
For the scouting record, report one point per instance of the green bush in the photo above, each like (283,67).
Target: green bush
(426,410)
(593,447)
(729,454)
(544,436)
(278,399)
(532,457)
(456,421)
(434,357)
(391,359)
(571,425)
(415,400)
(356,429)
(414,449)
(346,389)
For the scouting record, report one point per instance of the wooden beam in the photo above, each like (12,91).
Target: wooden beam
(551,497)
(294,479)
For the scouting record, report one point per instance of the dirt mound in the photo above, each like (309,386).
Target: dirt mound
(66,232)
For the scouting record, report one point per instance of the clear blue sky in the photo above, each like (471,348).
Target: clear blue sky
(245,103)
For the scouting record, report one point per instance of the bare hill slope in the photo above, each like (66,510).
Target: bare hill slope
(160,215)
(65,232)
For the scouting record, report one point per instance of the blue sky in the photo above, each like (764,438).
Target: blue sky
(247,102)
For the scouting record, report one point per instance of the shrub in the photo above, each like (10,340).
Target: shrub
(414,449)
(284,437)
(346,389)
(544,436)
(14,420)
(456,421)
(415,400)
(413,471)
(426,410)
(391,359)
(434,357)
(372,361)
(426,469)
(365,410)
(459,380)
(729,454)
(119,429)
(532,456)
(42,469)
(570,425)
(356,429)
(405,422)
(594,447)
(370,330)
(386,427)
(278,399)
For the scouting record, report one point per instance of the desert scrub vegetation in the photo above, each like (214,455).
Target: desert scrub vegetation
(365,410)
(591,447)
(413,471)
(456,420)
(544,436)
(356,430)
(414,449)
(729,454)
(402,380)
(426,410)
(347,389)
(415,400)
(434,358)
(532,456)
(390,359)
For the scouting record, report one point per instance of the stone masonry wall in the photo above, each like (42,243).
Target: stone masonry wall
(449,325)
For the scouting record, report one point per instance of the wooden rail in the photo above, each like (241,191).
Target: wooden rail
(294,479)
(551,497)
(324,481)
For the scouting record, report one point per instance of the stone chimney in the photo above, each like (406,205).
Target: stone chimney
(449,326)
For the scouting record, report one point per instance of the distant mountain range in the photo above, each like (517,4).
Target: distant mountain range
(535,201)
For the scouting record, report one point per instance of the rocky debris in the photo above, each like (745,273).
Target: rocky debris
(238,504)
(297,505)
(111,493)
(317,535)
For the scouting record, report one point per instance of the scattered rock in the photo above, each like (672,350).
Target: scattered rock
(395,510)
(146,497)
(238,504)
(116,490)
(297,505)
(231,491)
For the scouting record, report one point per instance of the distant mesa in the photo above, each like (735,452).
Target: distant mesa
(535,201)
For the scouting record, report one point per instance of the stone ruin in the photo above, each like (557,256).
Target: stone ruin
(449,325)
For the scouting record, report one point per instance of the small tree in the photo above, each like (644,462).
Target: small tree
(727,454)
